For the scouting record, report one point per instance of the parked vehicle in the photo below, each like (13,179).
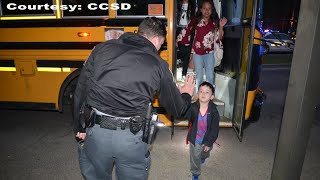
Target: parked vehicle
(278,42)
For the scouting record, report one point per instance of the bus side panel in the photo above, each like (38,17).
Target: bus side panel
(42,84)
(39,74)
(50,34)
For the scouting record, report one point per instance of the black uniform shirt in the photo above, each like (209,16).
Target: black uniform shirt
(122,76)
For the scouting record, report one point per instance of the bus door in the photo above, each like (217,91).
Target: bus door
(233,76)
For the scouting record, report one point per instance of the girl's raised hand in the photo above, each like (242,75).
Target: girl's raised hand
(223,21)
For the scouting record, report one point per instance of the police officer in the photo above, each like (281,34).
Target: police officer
(118,81)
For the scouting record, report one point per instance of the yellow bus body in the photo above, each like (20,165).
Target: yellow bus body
(26,82)
(43,75)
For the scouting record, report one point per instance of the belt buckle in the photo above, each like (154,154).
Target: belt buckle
(123,124)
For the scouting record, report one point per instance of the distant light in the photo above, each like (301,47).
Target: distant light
(266,30)
(160,124)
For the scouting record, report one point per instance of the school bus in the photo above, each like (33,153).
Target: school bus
(44,43)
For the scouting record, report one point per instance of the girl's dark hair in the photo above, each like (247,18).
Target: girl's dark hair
(208,85)
(190,11)
(214,15)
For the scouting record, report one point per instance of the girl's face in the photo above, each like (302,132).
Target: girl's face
(205,94)
(206,10)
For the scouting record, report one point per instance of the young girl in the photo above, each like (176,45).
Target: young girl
(206,23)
(185,12)
(203,128)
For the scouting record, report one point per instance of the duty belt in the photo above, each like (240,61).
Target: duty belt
(112,123)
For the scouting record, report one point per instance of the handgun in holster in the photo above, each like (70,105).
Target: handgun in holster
(87,116)
(151,125)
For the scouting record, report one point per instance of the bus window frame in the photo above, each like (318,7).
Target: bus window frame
(84,17)
(142,16)
(0,10)
(138,17)
(54,13)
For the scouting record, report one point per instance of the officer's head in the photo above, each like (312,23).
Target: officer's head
(153,29)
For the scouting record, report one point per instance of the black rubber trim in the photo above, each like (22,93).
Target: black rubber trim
(55,45)
(60,63)
(7,63)
(125,22)
(48,45)
(27,105)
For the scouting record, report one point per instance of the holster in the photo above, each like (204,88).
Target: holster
(136,124)
(86,116)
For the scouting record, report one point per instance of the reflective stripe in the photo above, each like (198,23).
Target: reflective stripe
(53,69)
(40,69)
(49,69)
(66,69)
(7,69)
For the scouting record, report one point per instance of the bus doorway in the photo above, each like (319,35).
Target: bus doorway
(233,95)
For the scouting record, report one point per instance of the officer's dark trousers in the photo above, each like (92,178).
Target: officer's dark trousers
(103,147)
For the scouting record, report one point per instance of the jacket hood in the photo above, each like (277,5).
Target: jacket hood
(138,41)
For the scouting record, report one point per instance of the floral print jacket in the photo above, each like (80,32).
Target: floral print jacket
(205,33)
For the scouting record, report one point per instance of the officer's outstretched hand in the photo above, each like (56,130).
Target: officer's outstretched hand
(81,135)
(189,84)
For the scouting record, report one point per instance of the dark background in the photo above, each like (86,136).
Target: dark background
(280,15)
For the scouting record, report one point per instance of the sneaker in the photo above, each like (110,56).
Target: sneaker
(195,177)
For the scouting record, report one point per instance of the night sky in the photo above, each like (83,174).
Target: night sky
(277,14)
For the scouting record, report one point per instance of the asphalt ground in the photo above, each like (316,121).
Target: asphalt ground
(40,144)
(277,58)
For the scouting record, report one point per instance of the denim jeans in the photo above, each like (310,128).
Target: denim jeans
(206,61)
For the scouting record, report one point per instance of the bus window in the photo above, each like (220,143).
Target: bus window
(232,10)
(143,8)
(86,8)
(22,7)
